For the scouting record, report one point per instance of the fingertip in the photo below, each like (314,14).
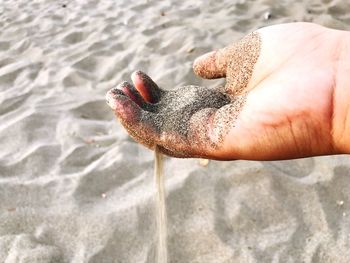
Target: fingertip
(137,81)
(132,93)
(134,75)
(207,66)
(200,63)
(148,89)
(139,123)
(112,97)
(124,108)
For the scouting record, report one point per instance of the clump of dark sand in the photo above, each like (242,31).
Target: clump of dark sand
(175,108)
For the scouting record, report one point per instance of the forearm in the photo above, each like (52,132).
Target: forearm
(341,98)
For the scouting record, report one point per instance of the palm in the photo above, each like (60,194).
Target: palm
(289,100)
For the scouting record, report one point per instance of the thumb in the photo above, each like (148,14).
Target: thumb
(211,65)
(232,60)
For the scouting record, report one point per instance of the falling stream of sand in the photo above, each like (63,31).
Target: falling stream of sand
(162,253)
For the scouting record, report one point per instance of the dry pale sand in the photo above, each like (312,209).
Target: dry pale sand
(75,188)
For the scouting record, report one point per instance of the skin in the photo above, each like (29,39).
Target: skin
(297,105)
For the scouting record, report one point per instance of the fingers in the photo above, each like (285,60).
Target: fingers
(143,126)
(149,128)
(132,93)
(182,123)
(138,122)
(211,65)
(146,86)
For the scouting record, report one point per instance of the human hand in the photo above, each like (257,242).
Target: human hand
(287,96)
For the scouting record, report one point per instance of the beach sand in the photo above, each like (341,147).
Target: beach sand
(75,188)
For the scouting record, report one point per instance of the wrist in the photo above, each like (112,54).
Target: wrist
(341,97)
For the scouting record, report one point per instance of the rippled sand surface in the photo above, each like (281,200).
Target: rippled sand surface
(75,188)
